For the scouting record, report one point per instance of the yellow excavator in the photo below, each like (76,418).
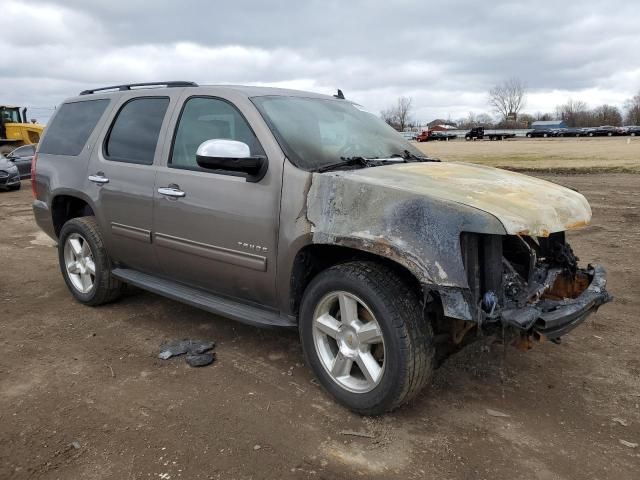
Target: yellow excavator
(15,129)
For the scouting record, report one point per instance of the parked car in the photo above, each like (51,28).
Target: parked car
(603,131)
(541,132)
(570,132)
(633,131)
(9,174)
(381,257)
(22,157)
(409,135)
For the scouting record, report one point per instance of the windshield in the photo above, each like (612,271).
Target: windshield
(10,115)
(316,132)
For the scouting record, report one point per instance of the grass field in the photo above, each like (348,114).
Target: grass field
(561,155)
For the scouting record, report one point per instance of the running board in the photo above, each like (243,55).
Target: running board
(225,307)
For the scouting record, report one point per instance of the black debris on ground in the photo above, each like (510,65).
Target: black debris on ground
(197,351)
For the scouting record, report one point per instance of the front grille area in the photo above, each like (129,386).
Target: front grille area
(7,178)
(482,257)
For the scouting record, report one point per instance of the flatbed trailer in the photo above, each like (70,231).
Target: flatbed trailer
(479,133)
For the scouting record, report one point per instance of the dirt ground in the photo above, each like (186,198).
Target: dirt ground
(84,396)
(595,155)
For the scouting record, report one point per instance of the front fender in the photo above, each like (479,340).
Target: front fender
(421,233)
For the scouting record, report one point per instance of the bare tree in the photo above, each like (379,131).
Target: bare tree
(485,120)
(575,113)
(389,116)
(508,98)
(403,111)
(471,120)
(399,115)
(525,120)
(607,115)
(633,110)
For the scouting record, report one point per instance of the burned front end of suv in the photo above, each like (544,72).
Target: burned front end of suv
(533,285)
(488,245)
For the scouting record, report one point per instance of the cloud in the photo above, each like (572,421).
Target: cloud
(445,55)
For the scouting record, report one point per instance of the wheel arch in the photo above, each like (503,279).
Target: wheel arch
(68,205)
(314,258)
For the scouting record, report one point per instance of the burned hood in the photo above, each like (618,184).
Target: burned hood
(524,205)
(389,218)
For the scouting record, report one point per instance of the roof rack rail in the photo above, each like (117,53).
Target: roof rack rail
(128,86)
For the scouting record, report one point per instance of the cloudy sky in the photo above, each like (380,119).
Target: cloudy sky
(445,54)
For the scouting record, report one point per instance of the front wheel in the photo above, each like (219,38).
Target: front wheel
(85,264)
(365,338)
(529,135)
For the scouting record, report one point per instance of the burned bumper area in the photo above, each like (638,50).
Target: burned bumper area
(533,285)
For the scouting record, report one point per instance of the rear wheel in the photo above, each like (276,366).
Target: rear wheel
(365,338)
(85,264)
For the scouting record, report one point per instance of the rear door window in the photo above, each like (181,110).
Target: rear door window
(133,136)
(71,127)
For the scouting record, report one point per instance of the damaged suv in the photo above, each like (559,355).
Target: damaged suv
(290,209)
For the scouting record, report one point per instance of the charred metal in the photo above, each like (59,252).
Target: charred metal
(538,285)
(490,263)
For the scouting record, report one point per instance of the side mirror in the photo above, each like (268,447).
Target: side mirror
(231,155)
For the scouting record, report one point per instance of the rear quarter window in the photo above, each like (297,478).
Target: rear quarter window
(71,127)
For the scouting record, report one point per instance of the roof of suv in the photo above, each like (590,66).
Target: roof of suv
(248,90)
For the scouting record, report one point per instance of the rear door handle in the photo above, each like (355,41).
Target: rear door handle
(98,178)
(171,192)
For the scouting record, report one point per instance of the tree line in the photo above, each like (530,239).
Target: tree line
(507,101)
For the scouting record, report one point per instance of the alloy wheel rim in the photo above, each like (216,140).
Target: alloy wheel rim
(349,342)
(79,263)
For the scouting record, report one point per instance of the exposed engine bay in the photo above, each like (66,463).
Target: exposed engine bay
(532,285)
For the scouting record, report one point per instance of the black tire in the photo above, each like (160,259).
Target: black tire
(591,134)
(15,187)
(105,288)
(529,135)
(408,338)
(633,134)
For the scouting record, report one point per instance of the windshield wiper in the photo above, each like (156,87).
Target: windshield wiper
(407,155)
(359,161)
(349,162)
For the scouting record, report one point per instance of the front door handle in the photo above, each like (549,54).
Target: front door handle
(98,178)
(171,192)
